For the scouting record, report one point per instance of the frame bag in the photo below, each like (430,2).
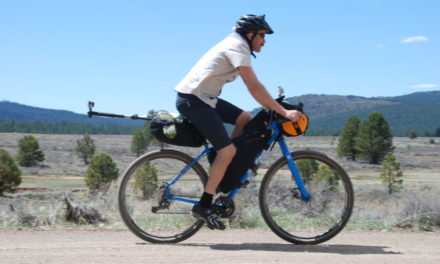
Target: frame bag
(248,147)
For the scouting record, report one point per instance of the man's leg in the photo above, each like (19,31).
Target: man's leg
(218,168)
(241,122)
(210,125)
(232,114)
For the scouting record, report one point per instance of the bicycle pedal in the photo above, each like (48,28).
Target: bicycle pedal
(295,193)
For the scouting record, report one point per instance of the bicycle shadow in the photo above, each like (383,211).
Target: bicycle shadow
(335,249)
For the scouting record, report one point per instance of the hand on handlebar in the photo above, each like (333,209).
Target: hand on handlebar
(293,115)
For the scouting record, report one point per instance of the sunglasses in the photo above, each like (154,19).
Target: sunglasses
(262,35)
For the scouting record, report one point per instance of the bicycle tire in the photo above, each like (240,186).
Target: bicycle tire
(301,222)
(140,196)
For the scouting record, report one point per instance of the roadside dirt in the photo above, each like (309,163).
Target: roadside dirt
(231,246)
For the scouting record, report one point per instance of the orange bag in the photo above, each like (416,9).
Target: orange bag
(293,129)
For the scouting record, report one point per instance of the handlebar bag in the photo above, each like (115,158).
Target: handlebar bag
(297,128)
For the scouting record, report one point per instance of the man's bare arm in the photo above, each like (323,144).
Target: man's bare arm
(260,93)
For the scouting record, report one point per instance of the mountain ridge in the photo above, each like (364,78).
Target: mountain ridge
(20,112)
(418,111)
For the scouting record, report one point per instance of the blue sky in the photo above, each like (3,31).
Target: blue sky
(127,56)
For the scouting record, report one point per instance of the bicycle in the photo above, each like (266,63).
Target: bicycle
(305,197)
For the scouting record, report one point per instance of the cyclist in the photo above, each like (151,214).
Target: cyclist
(197,100)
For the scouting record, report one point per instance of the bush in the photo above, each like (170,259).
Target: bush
(431,141)
(10,174)
(29,153)
(138,142)
(324,173)
(85,148)
(412,134)
(391,174)
(146,180)
(421,211)
(101,172)
(307,168)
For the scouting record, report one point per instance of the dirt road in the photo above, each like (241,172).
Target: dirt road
(231,246)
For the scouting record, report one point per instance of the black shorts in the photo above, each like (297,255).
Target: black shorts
(209,121)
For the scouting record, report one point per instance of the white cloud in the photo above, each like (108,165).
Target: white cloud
(424,86)
(415,39)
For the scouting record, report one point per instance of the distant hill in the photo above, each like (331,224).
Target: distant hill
(417,111)
(20,118)
(20,112)
(328,113)
(324,105)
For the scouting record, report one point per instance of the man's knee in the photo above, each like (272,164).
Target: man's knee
(243,119)
(227,152)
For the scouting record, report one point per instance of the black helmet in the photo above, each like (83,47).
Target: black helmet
(252,23)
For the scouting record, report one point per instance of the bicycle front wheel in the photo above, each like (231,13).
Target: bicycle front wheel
(147,206)
(317,220)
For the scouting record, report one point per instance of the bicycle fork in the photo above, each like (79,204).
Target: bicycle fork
(305,195)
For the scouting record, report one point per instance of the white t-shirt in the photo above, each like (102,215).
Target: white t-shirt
(217,67)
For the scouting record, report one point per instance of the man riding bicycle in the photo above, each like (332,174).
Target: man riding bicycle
(197,100)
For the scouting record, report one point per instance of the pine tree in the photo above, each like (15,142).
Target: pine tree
(146,180)
(374,140)
(85,148)
(138,142)
(142,138)
(324,173)
(391,174)
(29,153)
(149,138)
(101,172)
(10,174)
(346,146)
(307,168)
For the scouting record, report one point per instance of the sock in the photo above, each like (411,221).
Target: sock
(206,200)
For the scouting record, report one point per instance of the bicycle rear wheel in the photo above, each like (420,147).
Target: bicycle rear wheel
(143,202)
(302,222)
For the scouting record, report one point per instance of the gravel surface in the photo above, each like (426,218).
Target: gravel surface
(231,246)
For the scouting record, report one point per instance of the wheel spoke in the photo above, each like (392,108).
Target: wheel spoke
(307,222)
(142,197)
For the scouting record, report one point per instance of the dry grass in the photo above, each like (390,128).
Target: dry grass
(416,207)
(61,159)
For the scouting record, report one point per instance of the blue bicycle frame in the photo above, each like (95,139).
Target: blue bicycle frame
(296,177)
